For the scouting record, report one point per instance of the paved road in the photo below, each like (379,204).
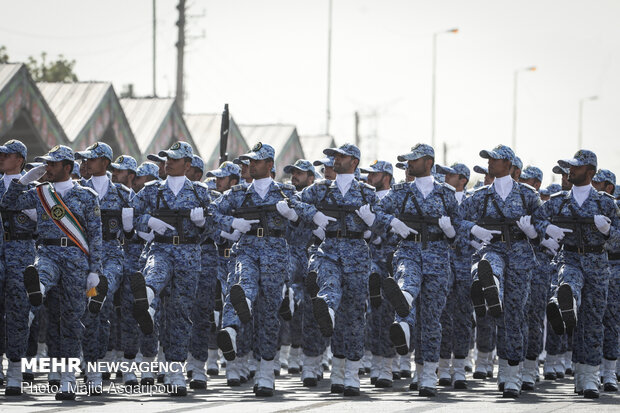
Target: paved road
(292,397)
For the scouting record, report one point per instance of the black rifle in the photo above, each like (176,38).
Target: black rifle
(258,212)
(573,222)
(224,134)
(339,212)
(500,224)
(419,223)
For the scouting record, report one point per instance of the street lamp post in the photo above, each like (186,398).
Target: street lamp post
(514,105)
(455,30)
(580,136)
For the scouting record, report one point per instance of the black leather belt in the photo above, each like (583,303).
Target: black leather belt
(429,237)
(346,235)
(260,233)
(517,236)
(135,240)
(613,256)
(175,240)
(586,249)
(59,242)
(18,237)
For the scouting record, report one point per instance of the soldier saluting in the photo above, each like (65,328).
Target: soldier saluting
(69,249)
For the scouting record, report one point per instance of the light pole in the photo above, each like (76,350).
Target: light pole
(581,102)
(514,105)
(329,69)
(455,30)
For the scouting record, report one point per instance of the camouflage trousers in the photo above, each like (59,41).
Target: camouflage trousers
(611,320)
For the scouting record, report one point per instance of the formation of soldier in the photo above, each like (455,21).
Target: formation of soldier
(105,260)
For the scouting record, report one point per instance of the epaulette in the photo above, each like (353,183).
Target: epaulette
(608,194)
(237,188)
(399,186)
(561,193)
(481,187)
(287,186)
(153,182)
(201,184)
(528,186)
(91,190)
(368,186)
(323,182)
(214,193)
(448,186)
(123,188)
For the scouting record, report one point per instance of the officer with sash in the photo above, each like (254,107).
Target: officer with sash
(19,253)
(69,248)
(583,220)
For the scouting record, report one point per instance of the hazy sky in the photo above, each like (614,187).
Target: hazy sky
(267,59)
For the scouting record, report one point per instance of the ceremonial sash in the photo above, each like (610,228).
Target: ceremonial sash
(61,215)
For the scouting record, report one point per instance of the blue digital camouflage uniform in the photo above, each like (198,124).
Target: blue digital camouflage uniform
(176,266)
(611,319)
(424,270)
(586,273)
(343,264)
(65,268)
(511,265)
(261,262)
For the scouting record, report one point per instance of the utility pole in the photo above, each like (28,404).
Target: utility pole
(180,94)
(357,129)
(154,48)
(329,69)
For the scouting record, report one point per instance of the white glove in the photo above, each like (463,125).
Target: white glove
(234,236)
(286,211)
(525,224)
(159,226)
(197,215)
(243,225)
(127,217)
(366,214)
(475,244)
(92,281)
(31,213)
(556,232)
(401,229)
(322,220)
(147,236)
(551,244)
(367,234)
(377,241)
(291,300)
(446,227)
(320,233)
(602,223)
(33,175)
(216,317)
(485,235)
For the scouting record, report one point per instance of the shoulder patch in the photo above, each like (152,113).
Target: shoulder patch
(237,188)
(200,185)
(399,186)
(214,193)
(323,182)
(530,187)
(92,191)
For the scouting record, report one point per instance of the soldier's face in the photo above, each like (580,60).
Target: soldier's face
(580,175)
(139,181)
(260,168)
(377,179)
(488,179)
(84,169)
(455,181)
(194,174)
(300,179)
(566,185)
(515,172)
(223,184)
(162,169)
(599,186)
(329,173)
(97,166)
(177,167)
(122,176)
(245,171)
(57,172)
(531,182)
(11,162)
(499,167)
(345,164)
(419,167)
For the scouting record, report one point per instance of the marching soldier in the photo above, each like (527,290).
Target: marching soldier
(69,251)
